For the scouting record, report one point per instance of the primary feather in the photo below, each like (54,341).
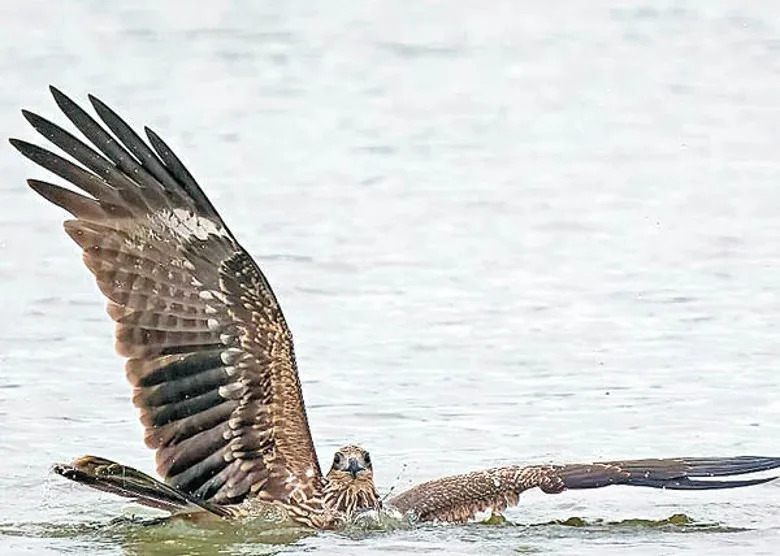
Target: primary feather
(210,356)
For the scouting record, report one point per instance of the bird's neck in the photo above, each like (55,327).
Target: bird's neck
(352,496)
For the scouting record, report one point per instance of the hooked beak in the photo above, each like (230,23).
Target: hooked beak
(354,467)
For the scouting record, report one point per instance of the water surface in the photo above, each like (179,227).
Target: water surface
(500,235)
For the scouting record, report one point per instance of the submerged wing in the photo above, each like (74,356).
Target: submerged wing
(460,497)
(109,476)
(210,357)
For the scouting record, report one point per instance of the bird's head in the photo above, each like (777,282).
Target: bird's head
(351,463)
(351,480)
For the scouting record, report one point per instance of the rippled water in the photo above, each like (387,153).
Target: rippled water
(500,235)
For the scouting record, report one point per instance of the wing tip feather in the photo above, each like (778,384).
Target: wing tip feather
(31,117)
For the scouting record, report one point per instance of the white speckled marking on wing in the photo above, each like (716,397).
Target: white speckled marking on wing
(187,225)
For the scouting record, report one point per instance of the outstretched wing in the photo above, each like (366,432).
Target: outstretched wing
(210,356)
(460,497)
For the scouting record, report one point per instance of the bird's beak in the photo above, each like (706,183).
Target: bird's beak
(354,467)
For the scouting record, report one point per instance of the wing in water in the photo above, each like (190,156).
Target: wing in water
(109,476)
(460,497)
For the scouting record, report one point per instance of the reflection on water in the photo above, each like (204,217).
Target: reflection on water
(167,536)
(506,235)
(136,535)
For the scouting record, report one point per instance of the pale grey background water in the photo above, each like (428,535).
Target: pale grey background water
(501,233)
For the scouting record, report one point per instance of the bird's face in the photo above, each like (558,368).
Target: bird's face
(351,463)
(350,482)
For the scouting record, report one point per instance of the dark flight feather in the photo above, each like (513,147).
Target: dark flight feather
(210,356)
(180,172)
(83,179)
(108,476)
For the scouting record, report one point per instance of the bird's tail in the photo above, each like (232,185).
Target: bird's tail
(108,476)
(672,474)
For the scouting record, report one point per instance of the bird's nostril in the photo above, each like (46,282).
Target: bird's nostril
(354,467)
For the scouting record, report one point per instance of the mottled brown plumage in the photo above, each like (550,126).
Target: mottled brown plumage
(210,356)
(461,497)
(211,359)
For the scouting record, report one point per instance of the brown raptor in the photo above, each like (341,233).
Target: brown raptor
(211,360)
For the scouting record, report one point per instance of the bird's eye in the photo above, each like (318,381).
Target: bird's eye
(367,458)
(337,459)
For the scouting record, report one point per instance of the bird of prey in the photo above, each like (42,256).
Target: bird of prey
(212,365)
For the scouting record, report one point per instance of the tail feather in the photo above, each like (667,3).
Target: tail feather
(109,476)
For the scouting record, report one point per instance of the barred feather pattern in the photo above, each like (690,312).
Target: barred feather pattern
(210,356)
